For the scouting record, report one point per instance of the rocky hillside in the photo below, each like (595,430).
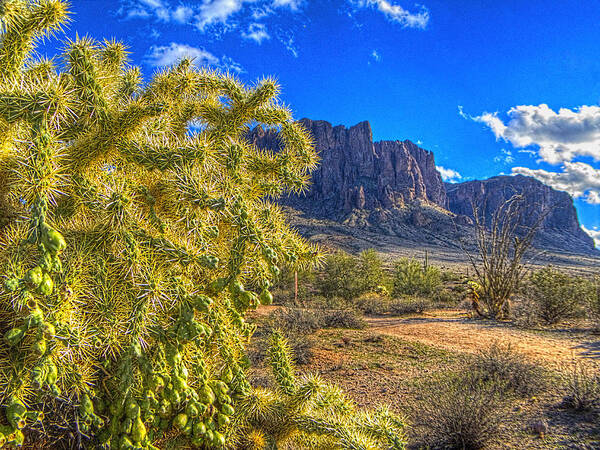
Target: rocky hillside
(394,188)
(488,195)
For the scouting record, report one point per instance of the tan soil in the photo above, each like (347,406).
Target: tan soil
(454,330)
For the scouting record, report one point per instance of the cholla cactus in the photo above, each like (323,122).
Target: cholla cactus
(136,231)
(310,414)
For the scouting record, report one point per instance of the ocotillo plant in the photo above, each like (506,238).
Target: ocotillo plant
(136,229)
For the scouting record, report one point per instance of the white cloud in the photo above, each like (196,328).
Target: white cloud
(182,14)
(217,11)
(376,56)
(396,13)
(290,45)
(449,175)
(217,16)
(292,4)
(505,157)
(594,233)
(559,136)
(256,32)
(159,9)
(578,179)
(167,55)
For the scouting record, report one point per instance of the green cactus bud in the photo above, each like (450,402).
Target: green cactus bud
(37,376)
(221,386)
(222,420)
(132,409)
(86,407)
(218,285)
(11,284)
(40,347)
(192,410)
(55,390)
(227,409)
(56,265)
(227,375)
(126,426)
(97,421)
(206,395)
(237,287)
(180,421)
(165,408)
(34,277)
(48,330)
(51,373)
(266,298)
(14,336)
(46,286)
(53,241)
(218,439)
(201,302)
(35,318)
(274,270)
(210,424)
(156,383)
(199,429)
(138,432)
(202,408)
(15,414)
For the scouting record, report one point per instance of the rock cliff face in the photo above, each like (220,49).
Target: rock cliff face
(394,188)
(488,195)
(357,174)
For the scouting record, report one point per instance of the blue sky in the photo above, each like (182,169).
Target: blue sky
(490,87)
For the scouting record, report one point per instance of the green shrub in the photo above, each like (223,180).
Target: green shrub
(346,276)
(370,273)
(462,412)
(557,295)
(412,278)
(449,275)
(513,369)
(340,276)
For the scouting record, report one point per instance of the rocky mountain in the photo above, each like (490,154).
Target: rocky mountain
(488,195)
(394,188)
(356,173)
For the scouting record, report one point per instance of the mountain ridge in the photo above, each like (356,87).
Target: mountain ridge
(394,187)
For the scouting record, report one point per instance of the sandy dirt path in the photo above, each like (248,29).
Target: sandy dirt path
(455,331)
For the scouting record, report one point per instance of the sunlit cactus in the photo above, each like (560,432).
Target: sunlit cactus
(137,228)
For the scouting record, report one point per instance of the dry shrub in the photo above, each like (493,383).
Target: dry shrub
(342,318)
(581,386)
(410,305)
(373,303)
(512,369)
(462,412)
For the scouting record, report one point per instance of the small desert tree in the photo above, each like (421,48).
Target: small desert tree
(370,271)
(498,262)
(413,278)
(131,246)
